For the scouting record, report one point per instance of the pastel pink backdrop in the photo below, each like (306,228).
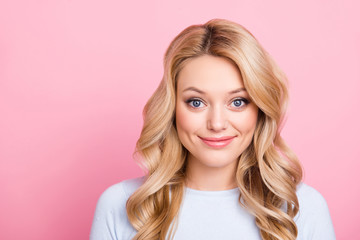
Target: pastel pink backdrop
(75,75)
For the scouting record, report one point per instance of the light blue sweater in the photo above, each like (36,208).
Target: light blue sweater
(209,215)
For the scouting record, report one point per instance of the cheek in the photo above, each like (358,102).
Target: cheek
(187,122)
(182,120)
(246,122)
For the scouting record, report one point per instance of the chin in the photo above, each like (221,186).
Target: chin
(217,160)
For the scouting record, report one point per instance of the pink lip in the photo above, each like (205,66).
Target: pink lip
(218,142)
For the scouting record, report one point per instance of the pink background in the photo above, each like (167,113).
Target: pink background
(75,75)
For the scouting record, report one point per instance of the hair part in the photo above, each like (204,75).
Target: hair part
(268,171)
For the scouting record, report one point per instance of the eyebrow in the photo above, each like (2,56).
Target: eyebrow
(202,92)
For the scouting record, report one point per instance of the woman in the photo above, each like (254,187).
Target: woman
(217,167)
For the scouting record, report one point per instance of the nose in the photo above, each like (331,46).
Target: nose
(217,119)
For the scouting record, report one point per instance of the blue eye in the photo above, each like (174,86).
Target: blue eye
(239,102)
(195,103)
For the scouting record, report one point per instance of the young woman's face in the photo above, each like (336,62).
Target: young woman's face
(215,118)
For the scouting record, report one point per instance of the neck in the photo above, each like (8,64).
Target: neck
(210,178)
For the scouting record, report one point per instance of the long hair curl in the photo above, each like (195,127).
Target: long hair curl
(268,171)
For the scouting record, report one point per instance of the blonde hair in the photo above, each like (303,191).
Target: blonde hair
(268,171)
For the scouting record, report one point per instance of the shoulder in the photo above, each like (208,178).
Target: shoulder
(311,201)
(309,196)
(120,192)
(110,218)
(313,219)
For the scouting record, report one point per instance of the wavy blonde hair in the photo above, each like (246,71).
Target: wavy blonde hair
(268,171)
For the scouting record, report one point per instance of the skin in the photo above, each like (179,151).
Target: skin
(213,102)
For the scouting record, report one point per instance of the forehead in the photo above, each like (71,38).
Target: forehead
(210,74)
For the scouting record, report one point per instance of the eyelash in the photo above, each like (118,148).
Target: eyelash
(244,100)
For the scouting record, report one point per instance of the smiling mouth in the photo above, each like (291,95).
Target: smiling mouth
(218,142)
